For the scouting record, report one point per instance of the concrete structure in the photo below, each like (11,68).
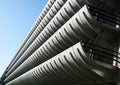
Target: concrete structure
(73,42)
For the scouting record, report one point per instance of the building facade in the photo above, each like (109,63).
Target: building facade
(73,42)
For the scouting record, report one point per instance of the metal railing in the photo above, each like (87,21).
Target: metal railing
(100,53)
(105,17)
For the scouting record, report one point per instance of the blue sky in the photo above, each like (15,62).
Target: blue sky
(16,19)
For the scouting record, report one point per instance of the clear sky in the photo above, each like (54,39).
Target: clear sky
(16,19)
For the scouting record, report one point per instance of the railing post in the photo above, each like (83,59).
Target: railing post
(118,65)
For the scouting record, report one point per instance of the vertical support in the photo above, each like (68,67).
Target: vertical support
(3,83)
(118,65)
(118,77)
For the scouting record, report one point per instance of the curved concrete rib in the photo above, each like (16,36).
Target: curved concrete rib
(44,12)
(78,28)
(51,13)
(68,67)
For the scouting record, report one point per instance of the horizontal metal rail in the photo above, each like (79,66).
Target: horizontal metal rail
(101,52)
(105,17)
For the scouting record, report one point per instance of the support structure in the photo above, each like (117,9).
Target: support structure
(73,42)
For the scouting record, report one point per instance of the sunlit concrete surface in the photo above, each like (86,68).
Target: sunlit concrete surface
(73,42)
